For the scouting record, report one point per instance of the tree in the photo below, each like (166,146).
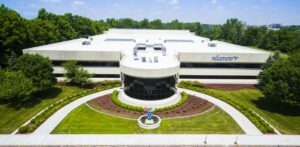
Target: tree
(66,31)
(14,85)
(76,74)
(232,30)
(13,34)
(37,68)
(144,23)
(156,24)
(271,60)
(175,25)
(280,81)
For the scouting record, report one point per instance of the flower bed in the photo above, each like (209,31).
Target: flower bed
(115,99)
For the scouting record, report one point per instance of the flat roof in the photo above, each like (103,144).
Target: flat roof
(126,40)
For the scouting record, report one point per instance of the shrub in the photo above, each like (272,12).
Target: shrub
(14,85)
(23,129)
(115,99)
(37,68)
(76,74)
(184,97)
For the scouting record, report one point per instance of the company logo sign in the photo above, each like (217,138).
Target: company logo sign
(225,58)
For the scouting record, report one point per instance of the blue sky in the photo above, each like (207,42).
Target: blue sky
(253,12)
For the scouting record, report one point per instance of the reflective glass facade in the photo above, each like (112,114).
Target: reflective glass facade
(149,89)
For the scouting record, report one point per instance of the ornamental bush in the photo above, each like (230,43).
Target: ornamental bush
(14,85)
(115,99)
(37,68)
(76,74)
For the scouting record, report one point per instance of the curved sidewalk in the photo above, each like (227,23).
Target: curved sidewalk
(247,126)
(57,117)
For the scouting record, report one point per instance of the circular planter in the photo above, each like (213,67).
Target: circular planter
(156,122)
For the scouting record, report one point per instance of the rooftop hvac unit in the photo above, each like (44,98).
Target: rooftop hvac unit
(143,59)
(86,42)
(211,44)
(155,59)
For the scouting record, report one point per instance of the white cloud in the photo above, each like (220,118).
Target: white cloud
(51,1)
(78,2)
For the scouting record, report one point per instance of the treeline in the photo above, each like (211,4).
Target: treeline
(17,33)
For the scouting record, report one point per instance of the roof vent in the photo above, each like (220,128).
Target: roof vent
(143,59)
(212,44)
(86,43)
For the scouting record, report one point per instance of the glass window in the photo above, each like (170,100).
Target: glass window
(149,89)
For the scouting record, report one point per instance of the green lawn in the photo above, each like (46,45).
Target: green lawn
(14,115)
(285,122)
(84,120)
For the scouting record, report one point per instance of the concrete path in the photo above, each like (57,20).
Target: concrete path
(150,139)
(58,116)
(247,126)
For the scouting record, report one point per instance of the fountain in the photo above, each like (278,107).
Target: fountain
(149,121)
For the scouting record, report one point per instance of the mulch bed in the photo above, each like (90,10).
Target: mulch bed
(230,86)
(192,106)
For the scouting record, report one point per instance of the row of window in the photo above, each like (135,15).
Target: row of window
(90,63)
(96,75)
(220,65)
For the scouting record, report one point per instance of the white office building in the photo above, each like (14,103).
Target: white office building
(150,62)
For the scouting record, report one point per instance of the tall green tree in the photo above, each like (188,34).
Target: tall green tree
(156,24)
(13,34)
(232,30)
(37,68)
(66,31)
(280,81)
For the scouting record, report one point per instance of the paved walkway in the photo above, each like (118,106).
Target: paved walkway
(247,126)
(151,139)
(58,116)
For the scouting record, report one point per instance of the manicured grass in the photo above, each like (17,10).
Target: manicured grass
(14,115)
(286,122)
(84,120)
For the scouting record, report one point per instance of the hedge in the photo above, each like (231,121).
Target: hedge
(116,100)
(39,119)
(254,118)
(184,97)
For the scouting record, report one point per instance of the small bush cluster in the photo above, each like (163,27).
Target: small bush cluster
(255,119)
(191,83)
(114,98)
(39,119)
(184,97)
